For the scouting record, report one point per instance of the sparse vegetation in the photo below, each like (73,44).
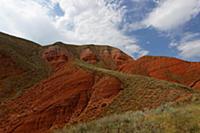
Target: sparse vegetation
(165,119)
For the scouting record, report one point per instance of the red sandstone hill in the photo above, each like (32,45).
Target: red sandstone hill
(48,77)
(166,68)
(48,87)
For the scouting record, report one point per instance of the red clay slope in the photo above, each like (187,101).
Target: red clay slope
(58,99)
(165,68)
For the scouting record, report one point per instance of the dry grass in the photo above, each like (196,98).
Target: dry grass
(165,119)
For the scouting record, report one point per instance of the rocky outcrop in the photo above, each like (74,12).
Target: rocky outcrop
(88,56)
(56,56)
(120,58)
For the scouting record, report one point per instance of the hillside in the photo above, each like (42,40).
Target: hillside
(86,94)
(46,87)
(136,93)
(24,63)
(166,68)
(65,83)
(21,66)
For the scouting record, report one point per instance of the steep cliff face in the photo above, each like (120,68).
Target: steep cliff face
(165,68)
(101,55)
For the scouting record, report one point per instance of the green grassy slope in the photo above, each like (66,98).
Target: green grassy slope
(165,119)
(26,57)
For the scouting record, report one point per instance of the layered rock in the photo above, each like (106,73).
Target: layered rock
(88,56)
(56,56)
(165,68)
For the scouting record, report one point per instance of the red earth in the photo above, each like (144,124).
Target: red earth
(72,94)
(69,93)
(165,68)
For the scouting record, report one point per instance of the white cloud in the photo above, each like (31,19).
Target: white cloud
(189,36)
(171,14)
(189,45)
(129,48)
(88,21)
(27,19)
(173,44)
(190,49)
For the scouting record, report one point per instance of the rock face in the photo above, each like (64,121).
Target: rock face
(88,56)
(165,68)
(120,58)
(56,56)
(105,56)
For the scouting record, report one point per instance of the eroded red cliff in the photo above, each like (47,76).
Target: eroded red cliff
(165,68)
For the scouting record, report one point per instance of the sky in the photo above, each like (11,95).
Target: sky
(138,27)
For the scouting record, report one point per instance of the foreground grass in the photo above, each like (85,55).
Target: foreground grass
(165,119)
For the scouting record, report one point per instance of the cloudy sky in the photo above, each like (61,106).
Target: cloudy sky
(138,27)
